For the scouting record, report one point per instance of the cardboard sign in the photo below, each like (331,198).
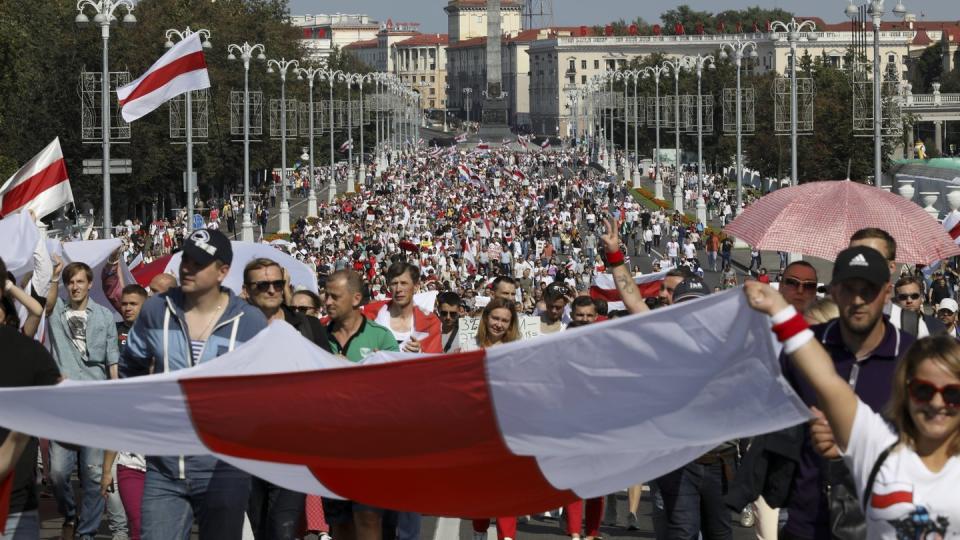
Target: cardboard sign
(529,328)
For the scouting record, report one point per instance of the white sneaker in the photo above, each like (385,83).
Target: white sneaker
(632,522)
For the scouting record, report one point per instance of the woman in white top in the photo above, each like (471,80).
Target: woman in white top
(915,489)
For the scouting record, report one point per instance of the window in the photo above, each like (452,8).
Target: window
(583,79)
(583,64)
(573,65)
(596,64)
(572,79)
(892,58)
(433,91)
(433,78)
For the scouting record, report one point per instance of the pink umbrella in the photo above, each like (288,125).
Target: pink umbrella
(818,218)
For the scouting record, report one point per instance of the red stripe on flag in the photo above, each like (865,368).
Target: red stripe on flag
(405,436)
(30,188)
(647,290)
(163,75)
(955,231)
(887,500)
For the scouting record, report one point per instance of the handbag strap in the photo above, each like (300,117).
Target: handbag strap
(868,490)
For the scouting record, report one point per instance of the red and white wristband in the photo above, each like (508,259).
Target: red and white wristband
(791,329)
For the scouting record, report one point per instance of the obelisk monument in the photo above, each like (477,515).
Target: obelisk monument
(494,99)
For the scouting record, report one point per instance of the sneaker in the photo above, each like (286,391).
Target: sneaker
(68,531)
(324,536)
(632,522)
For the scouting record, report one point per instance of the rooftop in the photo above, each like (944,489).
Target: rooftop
(424,39)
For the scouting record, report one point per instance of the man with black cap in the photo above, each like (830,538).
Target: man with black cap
(864,347)
(190,324)
(693,494)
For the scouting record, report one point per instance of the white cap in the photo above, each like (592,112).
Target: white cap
(948,304)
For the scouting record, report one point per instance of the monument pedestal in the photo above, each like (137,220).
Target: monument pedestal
(494,127)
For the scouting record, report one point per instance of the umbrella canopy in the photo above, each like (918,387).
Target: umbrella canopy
(818,219)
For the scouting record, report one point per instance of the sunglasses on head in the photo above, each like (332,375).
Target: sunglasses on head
(905,297)
(923,391)
(264,286)
(802,285)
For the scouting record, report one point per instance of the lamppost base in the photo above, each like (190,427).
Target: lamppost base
(312,204)
(246,228)
(701,211)
(678,198)
(658,188)
(636,177)
(284,218)
(351,180)
(332,192)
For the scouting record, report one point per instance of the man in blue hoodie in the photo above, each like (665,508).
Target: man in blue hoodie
(193,323)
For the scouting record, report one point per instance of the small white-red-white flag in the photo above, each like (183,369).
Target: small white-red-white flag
(545,145)
(41,185)
(347,145)
(182,69)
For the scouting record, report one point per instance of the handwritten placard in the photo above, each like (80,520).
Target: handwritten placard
(529,328)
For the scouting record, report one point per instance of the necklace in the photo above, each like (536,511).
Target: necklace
(213,319)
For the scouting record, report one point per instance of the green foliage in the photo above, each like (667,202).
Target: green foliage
(927,69)
(689,17)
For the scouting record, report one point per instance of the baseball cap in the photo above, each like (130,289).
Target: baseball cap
(949,304)
(861,262)
(205,246)
(690,288)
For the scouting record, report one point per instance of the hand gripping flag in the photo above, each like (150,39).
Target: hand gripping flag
(182,69)
(41,185)
(658,390)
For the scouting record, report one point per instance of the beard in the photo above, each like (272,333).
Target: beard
(860,328)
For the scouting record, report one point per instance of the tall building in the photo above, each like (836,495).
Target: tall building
(323,33)
(467,19)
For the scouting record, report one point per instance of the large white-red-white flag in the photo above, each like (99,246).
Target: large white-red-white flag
(182,69)
(604,287)
(659,390)
(41,185)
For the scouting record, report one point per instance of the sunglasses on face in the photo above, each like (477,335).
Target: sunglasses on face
(303,309)
(802,285)
(264,286)
(905,297)
(448,313)
(944,313)
(923,391)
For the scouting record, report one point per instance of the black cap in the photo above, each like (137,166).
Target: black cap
(690,288)
(204,246)
(861,262)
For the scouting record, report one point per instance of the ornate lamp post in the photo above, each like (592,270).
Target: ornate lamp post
(739,47)
(246,53)
(468,92)
(105,10)
(331,75)
(657,71)
(282,66)
(793,30)
(310,74)
(698,62)
(876,13)
(676,66)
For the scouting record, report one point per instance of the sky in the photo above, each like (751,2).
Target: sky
(576,12)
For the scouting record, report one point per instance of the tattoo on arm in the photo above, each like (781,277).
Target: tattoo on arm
(632,298)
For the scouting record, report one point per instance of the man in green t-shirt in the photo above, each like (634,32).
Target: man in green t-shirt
(354,337)
(351,334)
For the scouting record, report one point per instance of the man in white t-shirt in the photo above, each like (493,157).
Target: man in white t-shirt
(673,252)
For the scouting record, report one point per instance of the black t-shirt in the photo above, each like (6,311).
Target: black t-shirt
(939,291)
(25,363)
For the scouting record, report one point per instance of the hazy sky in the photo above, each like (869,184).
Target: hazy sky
(575,12)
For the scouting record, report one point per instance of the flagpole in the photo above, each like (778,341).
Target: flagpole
(205,38)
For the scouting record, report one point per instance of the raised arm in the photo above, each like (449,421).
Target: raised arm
(10,452)
(835,396)
(54,285)
(34,309)
(629,292)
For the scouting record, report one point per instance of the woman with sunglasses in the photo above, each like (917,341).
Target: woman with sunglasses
(906,473)
(499,323)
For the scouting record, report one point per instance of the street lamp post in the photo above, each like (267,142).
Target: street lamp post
(349,78)
(676,66)
(331,75)
(446,95)
(246,53)
(310,74)
(739,47)
(282,66)
(360,79)
(181,35)
(656,71)
(104,16)
(468,92)
(876,12)
(699,61)
(793,30)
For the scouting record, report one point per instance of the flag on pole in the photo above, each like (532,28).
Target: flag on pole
(522,141)
(545,145)
(482,146)
(519,176)
(182,69)
(465,172)
(461,138)
(347,145)
(951,223)
(41,185)
(420,141)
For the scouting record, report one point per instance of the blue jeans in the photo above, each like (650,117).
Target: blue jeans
(217,498)
(22,526)
(693,503)
(89,465)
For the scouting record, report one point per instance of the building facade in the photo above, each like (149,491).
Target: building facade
(568,60)
(467,19)
(323,33)
(421,63)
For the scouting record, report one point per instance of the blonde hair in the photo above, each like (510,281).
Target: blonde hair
(943,350)
(513,331)
(821,311)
